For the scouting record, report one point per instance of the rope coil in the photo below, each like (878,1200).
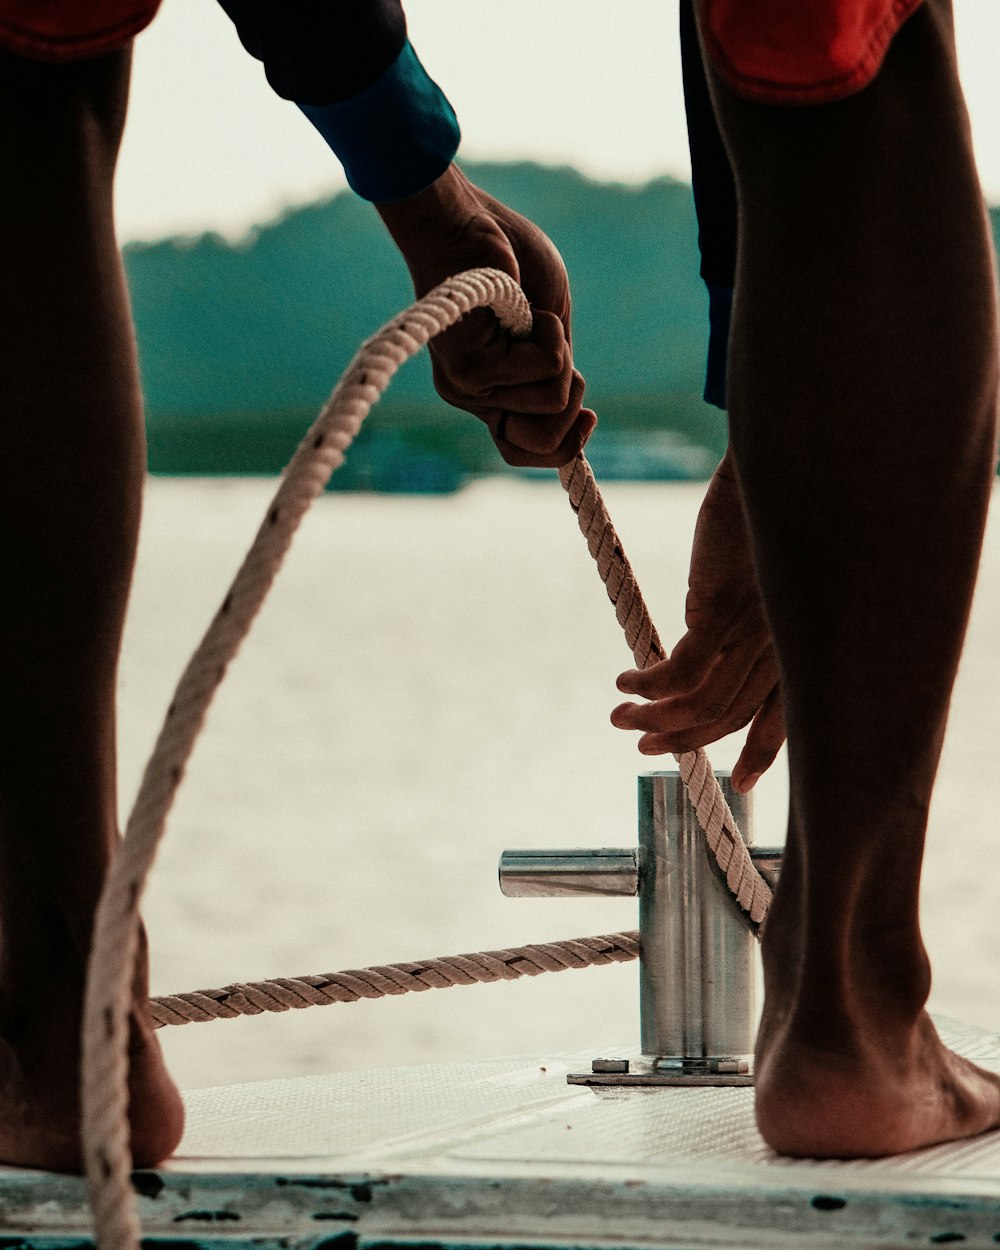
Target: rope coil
(115,942)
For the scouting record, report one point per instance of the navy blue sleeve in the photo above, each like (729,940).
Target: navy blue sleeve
(394,138)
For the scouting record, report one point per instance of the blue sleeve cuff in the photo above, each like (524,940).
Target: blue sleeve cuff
(395,137)
(720,310)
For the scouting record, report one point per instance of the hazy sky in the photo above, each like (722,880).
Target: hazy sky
(208,145)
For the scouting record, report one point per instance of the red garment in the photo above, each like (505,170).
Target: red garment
(68,30)
(799,51)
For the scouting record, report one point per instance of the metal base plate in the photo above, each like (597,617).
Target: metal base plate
(690,1080)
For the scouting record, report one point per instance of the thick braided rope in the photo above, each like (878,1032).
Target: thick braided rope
(731,853)
(105,1023)
(291,993)
(746,884)
(105,1066)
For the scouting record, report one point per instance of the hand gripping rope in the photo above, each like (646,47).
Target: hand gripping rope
(115,942)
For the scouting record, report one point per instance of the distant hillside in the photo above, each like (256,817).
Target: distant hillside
(240,343)
(268,323)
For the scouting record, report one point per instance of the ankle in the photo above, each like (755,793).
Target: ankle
(891,972)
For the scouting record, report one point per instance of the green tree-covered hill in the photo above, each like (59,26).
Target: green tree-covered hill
(240,343)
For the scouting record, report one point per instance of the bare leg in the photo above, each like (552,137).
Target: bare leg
(863,403)
(71,470)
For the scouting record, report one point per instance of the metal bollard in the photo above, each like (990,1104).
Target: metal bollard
(697,974)
(697,964)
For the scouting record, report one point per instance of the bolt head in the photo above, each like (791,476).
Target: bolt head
(610,1065)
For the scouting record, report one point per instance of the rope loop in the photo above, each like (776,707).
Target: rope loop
(114,947)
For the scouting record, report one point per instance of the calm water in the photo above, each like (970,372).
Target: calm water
(429,683)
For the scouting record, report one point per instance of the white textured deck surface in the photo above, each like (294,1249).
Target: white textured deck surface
(506,1113)
(505,1154)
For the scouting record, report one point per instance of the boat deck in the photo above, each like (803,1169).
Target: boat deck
(505,1154)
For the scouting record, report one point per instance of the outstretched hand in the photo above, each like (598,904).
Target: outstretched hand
(525,390)
(723,673)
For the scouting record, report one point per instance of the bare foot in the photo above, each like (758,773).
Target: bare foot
(39,1088)
(877,1094)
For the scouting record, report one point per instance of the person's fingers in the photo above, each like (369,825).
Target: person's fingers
(731,691)
(541,440)
(665,678)
(719,640)
(667,729)
(478,364)
(764,741)
(525,390)
(690,663)
(567,449)
(694,658)
(534,429)
(734,686)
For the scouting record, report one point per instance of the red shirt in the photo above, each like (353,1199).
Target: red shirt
(799,51)
(61,30)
